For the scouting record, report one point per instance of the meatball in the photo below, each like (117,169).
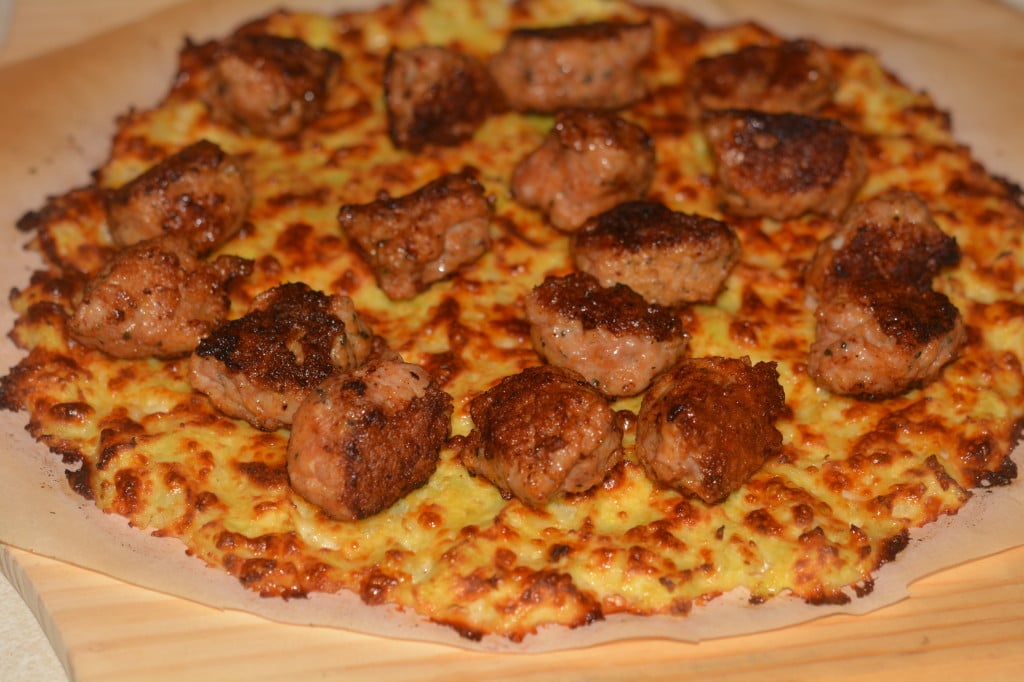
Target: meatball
(610,335)
(708,425)
(411,242)
(542,433)
(878,338)
(261,366)
(892,235)
(154,299)
(588,163)
(268,85)
(669,258)
(793,76)
(591,66)
(365,438)
(784,165)
(200,191)
(436,96)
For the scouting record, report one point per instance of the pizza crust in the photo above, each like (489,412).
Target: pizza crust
(61,131)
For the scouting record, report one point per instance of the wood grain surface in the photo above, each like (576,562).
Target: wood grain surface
(962,622)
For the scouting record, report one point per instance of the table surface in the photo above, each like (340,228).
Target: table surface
(32,27)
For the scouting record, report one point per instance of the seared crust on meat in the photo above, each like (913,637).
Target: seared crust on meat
(588,163)
(366,438)
(267,85)
(892,235)
(792,76)
(436,96)
(542,433)
(590,66)
(878,338)
(708,425)
(669,258)
(261,366)
(784,165)
(610,335)
(154,299)
(412,241)
(200,191)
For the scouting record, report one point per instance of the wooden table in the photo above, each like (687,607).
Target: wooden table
(966,621)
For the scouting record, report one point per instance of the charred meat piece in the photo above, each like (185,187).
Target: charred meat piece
(154,299)
(365,438)
(878,338)
(261,366)
(200,191)
(267,85)
(708,425)
(784,165)
(436,96)
(613,337)
(892,235)
(588,163)
(542,433)
(793,76)
(669,258)
(590,66)
(412,241)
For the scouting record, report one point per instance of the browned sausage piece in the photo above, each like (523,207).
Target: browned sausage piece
(200,191)
(590,66)
(794,76)
(588,163)
(669,258)
(154,299)
(436,96)
(708,425)
(542,433)
(261,366)
(878,338)
(892,235)
(268,85)
(366,438)
(784,165)
(613,337)
(411,242)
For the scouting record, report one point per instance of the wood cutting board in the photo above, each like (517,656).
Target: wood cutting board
(966,621)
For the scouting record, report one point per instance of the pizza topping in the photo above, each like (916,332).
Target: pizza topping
(542,433)
(669,258)
(154,299)
(200,191)
(366,438)
(892,235)
(423,237)
(792,76)
(784,165)
(879,337)
(436,96)
(261,366)
(590,66)
(268,85)
(708,425)
(588,163)
(610,335)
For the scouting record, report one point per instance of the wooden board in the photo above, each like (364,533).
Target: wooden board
(964,621)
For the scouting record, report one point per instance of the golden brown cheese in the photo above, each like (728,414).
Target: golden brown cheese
(852,477)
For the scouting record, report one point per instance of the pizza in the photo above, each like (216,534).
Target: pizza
(521,316)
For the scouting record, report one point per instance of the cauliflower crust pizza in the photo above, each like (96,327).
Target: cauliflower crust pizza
(524,314)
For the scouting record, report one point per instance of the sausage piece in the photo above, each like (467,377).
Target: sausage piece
(542,433)
(365,438)
(200,191)
(708,425)
(669,258)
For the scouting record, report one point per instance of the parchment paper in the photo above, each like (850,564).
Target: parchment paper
(57,120)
